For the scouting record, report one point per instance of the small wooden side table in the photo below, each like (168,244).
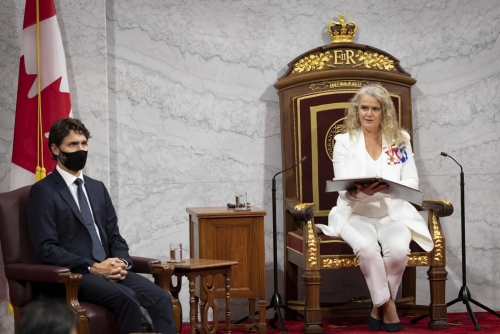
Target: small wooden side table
(191,268)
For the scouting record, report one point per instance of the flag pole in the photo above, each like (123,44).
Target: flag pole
(40,168)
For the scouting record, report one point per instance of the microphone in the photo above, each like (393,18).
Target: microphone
(444,154)
(144,312)
(304,158)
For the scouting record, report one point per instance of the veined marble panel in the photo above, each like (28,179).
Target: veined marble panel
(180,101)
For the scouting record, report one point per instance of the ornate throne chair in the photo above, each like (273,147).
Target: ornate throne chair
(314,93)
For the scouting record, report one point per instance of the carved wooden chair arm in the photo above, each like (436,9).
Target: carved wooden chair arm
(144,265)
(299,211)
(34,272)
(72,283)
(51,274)
(440,207)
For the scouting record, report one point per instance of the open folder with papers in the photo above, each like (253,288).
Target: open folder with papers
(396,189)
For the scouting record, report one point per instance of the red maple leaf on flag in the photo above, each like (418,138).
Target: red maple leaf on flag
(55,105)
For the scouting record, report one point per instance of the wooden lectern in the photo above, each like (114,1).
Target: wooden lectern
(221,233)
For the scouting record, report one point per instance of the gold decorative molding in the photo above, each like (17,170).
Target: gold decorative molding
(312,249)
(339,83)
(438,241)
(340,263)
(374,60)
(418,260)
(445,201)
(342,31)
(313,62)
(345,57)
(301,206)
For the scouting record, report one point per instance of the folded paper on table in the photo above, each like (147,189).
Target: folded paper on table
(396,189)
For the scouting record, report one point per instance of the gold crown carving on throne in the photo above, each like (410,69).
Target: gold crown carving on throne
(342,31)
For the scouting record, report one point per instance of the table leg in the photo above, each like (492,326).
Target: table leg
(192,304)
(251,310)
(176,304)
(262,316)
(228,301)
(205,305)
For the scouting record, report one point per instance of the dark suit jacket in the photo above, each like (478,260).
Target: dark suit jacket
(56,226)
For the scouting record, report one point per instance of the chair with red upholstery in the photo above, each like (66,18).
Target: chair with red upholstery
(24,274)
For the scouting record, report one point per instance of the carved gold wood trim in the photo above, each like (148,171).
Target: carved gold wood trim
(374,60)
(312,249)
(438,242)
(340,83)
(345,57)
(300,206)
(419,259)
(445,201)
(334,263)
(313,62)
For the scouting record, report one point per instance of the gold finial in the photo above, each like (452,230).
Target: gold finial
(342,31)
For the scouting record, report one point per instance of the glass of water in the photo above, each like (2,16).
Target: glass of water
(175,252)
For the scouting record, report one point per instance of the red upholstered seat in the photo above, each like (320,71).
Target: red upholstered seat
(329,245)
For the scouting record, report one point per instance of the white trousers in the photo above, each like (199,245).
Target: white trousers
(381,247)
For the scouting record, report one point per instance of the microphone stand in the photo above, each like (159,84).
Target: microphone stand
(464,294)
(276,301)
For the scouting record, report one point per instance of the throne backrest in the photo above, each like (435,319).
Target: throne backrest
(314,94)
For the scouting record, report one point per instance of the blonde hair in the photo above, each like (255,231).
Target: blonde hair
(389,124)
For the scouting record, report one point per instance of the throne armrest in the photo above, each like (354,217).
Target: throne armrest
(440,207)
(144,265)
(299,211)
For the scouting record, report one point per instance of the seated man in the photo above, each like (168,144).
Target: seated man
(73,224)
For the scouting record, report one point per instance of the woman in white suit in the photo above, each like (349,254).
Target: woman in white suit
(378,227)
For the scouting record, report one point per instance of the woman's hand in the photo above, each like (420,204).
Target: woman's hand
(373,188)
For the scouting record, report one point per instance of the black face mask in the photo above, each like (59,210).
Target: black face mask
(74,161)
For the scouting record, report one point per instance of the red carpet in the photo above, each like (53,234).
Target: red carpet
(460,323)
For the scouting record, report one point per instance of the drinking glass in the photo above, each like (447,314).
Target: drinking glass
(175,252)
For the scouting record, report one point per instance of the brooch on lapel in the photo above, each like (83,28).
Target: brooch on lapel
(395,154)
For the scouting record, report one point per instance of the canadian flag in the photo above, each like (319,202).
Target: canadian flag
(42,93)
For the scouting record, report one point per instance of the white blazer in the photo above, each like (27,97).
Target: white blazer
(349,160)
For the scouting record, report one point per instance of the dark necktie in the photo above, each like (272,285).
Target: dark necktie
(97,249)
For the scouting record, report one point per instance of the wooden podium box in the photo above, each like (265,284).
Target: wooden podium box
(220,233)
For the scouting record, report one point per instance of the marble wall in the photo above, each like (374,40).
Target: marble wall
(180,102)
